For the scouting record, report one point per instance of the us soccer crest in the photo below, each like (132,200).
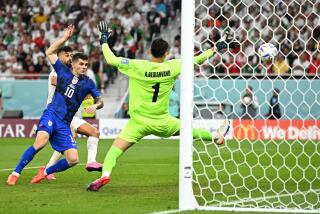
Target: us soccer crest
(75,80)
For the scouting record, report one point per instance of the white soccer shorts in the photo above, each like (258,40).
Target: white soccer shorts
(77,122)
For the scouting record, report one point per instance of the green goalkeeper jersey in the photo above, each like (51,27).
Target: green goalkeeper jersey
(150,83)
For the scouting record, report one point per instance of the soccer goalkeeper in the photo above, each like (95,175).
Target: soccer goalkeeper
(150,85)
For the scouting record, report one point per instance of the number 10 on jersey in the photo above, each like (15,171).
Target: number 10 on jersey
(69,92)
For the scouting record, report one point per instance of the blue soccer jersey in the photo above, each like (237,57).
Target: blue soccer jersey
(68,96)
(70,92)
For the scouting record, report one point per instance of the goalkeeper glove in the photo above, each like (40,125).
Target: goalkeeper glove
(104,32)
(227,42)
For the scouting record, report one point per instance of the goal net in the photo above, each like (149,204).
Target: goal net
(271,159)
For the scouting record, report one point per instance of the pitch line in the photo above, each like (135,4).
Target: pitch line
(166,212)
(82,164)
(317,191)
(34,167)
(268,197)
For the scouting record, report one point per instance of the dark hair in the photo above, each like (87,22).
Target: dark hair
(78,56)
(64,49)
(177,38)
(159,47)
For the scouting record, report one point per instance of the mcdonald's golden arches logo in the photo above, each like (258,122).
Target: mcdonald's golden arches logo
(245,131)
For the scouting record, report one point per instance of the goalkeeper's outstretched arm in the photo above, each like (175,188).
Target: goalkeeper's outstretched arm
(222,45)
(204,56)
(107,53)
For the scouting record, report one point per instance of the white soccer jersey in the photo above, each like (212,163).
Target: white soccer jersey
(51,88)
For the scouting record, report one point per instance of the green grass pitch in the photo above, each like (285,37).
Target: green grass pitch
(146,177)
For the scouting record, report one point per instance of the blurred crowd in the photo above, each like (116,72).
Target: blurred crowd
(292,25)
(28,27)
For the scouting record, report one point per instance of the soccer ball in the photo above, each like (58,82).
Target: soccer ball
(267,52)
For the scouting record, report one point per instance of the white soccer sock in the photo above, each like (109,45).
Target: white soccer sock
(106,173)
(54,159)
(15,173)
(92,146)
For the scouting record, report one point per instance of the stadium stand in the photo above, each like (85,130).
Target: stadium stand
(299,47)
(29,27)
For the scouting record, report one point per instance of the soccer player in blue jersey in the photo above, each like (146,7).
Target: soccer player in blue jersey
(54,124)
(77,125)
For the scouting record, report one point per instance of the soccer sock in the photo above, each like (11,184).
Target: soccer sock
(61,165)
(92,146)
(54,159)
(110,160)
(25,159)
(202,134)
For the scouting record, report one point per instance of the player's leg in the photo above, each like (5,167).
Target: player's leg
(118,147)
(55,157)
(73,130)
(217,137)
(93,135)
(72,158)
(44,130)
(40,142)
(221,132)
(62,141)
(173,125)
(53,160)
(131,134)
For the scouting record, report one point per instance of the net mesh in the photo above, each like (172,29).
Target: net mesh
(271,157)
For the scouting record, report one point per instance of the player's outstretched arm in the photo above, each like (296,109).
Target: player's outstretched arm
(222,45)
(52,50)
(226,42)
(204,56)
(107,53)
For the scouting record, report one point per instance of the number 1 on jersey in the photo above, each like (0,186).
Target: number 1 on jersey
(156,88)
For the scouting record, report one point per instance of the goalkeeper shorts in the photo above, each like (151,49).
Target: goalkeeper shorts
(135,131)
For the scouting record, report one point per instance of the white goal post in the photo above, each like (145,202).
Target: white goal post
(186,198)
(267,164)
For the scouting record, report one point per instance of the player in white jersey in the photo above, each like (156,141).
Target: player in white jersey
(77,125)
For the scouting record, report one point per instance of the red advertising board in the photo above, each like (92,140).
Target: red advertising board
(17,128)
(242,129)
(25,127)
(277,129)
